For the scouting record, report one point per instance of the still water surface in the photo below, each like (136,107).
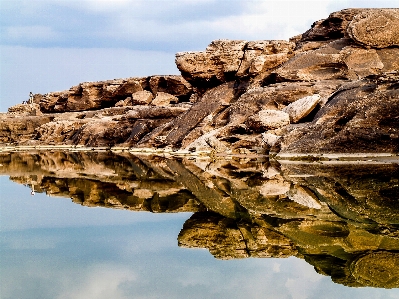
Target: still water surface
(150,228)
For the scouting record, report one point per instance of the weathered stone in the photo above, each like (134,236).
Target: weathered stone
(377,269)
(208,142)
(177,130)
(362,62)
(377,28)
(304,197)
(277,96)
(260,56)
(91,95)
(270,139)
(275,187)
(60,131)
(216,65)
(125,102)
(25,109)
(142,97)
(334,27)
(164,99)
(174,85)
(19,130)
(237,85)
(361,117)
(301,108)
(268,120)
(226,239)
(148,112)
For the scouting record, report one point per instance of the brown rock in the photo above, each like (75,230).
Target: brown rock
(125,102)
(19,130)
(91,95)
(277,97)
(361,117)
(174,85)
(25,109)
(164,99)
(378,28)
(261,56)
(334,27)
(377,269)
(174,132)
(142,97)
(268,120)
(301,108)
(218,64)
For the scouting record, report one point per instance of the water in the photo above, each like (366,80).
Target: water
(148,227)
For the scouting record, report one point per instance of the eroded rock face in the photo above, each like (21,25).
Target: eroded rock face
(337,82)
(364,114)
(378,28)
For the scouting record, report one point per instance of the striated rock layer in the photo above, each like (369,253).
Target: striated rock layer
(331,89)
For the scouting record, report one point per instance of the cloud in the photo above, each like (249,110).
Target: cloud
(101,281)
(50,45)
(151,25)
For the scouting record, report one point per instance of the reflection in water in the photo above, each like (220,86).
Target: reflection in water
(342,219)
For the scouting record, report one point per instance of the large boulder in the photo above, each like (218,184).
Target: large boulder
(217,64)
(378,28)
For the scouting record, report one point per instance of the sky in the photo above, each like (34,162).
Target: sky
(51,45)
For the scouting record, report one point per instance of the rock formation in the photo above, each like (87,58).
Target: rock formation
(329,91)
(332,89)
(340,217)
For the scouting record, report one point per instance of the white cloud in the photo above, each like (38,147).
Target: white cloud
(101,281)
(303,280)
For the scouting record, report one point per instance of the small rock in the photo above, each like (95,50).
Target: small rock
(270,139)
(270,172)
(124,103)
(164,99)
(268,120)
(275,187)
(302,107)
(143,97)
(143,193)
(304,197)
(207,142)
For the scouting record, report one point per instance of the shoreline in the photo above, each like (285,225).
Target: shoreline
(167,152)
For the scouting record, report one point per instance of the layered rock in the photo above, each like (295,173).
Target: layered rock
(337,82)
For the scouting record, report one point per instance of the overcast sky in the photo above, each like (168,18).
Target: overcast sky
(51,45)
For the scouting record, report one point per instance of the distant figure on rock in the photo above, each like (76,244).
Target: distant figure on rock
(30,101)
(33,190)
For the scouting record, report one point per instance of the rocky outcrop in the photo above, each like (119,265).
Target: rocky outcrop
(364,113)
(376,28)
(342,219)
(337,83)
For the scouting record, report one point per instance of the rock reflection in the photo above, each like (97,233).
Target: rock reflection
(342,219)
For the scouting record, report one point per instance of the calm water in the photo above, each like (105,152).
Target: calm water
(120,226)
